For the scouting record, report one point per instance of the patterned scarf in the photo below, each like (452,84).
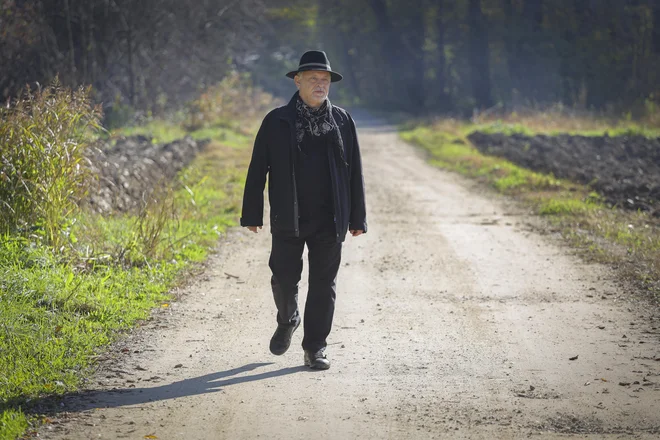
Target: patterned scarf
(312,121)
(318,122)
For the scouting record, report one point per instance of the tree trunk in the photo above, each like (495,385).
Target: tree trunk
(72,53)
(479,56)
(347,59)
(655,9)
(441,61)
(417,67)
(131,66)
(392,53)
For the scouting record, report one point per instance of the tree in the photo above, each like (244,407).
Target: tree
(478,56)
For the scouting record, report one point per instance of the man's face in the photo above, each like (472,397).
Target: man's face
(314,86)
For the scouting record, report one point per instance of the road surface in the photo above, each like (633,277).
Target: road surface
(454,319)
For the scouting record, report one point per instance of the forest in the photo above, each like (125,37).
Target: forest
(415,56)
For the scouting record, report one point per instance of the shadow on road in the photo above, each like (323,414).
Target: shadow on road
(209,383)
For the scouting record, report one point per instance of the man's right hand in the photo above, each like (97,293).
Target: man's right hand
(253,228)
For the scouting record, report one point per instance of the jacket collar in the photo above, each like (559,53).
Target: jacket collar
(289,110)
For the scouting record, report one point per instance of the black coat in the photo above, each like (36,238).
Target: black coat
(274,154)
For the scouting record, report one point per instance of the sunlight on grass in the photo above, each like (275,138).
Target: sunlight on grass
(58,316)
(13,424)
(555,122)
(160,131)
(563,207)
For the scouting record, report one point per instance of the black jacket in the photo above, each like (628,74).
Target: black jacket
(274,154)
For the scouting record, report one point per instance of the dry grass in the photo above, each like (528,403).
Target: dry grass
(557,120)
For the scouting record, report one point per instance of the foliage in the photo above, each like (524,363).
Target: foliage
(560,120)
(58,313)
(59,310)
(43,174)
(141,56)
(12,424)
(231,101)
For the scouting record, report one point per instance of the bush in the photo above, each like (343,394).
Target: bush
(232,99)
(43,135)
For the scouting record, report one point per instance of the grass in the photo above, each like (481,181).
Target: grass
(59,311)
(628,241)
(560,122)
(164,131)
(66,295)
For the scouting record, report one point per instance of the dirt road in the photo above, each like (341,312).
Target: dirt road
(453,320)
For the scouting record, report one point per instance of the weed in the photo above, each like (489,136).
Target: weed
(562,207)
(12,424)
(42,173)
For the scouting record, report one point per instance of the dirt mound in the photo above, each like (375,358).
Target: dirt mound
(132,167)
(624,169)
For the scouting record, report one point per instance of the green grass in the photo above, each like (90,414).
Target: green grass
(629,241)
(553,206)
(13,423)
(58,311)
(162,131)
(531,127)
(454,152)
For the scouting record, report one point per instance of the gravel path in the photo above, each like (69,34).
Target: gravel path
(454,320)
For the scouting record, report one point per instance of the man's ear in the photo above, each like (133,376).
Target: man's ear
(296,80)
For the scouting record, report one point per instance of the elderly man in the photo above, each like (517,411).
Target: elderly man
(309,149)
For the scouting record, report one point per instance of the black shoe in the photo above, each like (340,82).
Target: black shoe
(281,339)
(316,360)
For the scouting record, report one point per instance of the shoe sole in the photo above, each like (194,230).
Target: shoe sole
(318,367)
(289,345)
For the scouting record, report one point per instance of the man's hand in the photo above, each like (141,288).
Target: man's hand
(253,228)
(356,232)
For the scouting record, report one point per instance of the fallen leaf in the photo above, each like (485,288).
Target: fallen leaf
(573,358)
(150,436)
(178,366)
(165,305)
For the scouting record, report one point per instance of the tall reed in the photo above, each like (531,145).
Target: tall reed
(43,135)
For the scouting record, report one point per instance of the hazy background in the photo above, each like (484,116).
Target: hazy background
(420,56)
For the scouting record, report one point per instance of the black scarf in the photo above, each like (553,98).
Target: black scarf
(318,122)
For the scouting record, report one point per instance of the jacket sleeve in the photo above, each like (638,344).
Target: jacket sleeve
(253,194)
(358,217)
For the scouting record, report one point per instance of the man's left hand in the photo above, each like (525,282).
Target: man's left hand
(356,232)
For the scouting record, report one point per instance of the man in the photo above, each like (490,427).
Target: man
(309,149)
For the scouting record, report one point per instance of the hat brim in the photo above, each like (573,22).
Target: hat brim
(334,76)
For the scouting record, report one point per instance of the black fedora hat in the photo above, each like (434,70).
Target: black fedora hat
(315,60)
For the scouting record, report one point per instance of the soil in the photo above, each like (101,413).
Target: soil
(624,169)
(454,320)
(128,169)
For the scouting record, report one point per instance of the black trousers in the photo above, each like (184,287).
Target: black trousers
(286,263)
